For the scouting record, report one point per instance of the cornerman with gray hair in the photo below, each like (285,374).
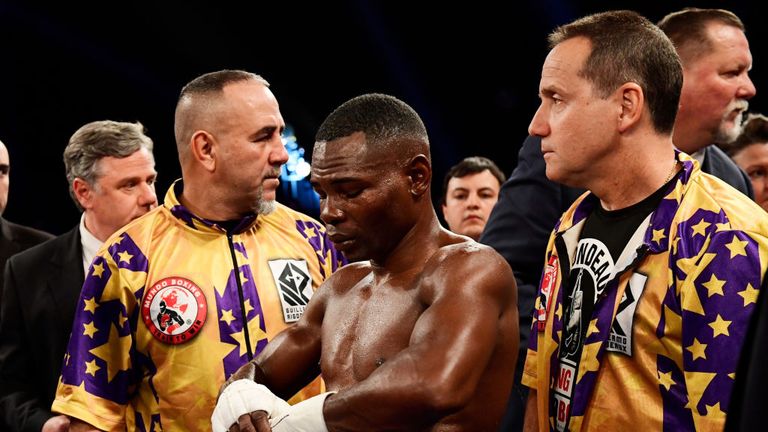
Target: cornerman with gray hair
(111,174)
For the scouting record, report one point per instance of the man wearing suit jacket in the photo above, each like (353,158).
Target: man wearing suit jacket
(111,173)
(712,102)
(14,238)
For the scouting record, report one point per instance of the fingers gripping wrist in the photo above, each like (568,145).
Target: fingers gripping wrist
(243,397)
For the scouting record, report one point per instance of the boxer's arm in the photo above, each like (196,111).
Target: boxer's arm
(466,297)
(291,360)
(288,363)
(252,409)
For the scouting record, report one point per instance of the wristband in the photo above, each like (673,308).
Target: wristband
(243,397)
(305,416)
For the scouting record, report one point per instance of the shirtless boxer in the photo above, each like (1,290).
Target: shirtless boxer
(419,333)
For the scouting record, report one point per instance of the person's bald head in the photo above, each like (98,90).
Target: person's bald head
(5,176)
(200,105)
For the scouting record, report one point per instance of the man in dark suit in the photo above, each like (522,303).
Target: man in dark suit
(14,238)
(111,173)
(529,204)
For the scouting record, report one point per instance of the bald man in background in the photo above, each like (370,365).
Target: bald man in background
(14,238)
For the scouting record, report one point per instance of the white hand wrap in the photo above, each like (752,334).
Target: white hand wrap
(244,397)
(306,416)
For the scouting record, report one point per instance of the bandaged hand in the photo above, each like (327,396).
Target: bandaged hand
(244,397)
(306,416)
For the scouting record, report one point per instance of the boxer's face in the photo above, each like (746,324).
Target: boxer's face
(364,199)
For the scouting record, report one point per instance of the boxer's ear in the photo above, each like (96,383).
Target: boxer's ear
(419,172)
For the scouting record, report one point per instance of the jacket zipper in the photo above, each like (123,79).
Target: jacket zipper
(240,294)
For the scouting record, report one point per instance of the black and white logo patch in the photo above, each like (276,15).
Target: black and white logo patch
(620,339)
(589,275)
(294,285)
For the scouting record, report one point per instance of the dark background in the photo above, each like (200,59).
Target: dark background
(471,71)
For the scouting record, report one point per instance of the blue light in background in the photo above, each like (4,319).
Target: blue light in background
(295,190)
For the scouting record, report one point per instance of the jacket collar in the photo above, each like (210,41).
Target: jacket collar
(653,233)
(195,222)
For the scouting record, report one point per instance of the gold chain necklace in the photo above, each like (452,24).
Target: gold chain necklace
(671,173)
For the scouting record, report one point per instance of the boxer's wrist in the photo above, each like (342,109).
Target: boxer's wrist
(305,416)
(244,397)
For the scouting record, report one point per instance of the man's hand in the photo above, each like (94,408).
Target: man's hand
(254,422)
(62,423)
(242,405)
(59,423)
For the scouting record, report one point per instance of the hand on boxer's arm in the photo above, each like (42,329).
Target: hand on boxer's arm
(63,423)
(59,423)
(243,397)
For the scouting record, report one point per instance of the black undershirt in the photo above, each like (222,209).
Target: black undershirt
(603,238)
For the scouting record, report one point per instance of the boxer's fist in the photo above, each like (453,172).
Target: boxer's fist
(243,397)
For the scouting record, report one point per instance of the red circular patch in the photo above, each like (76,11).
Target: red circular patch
(174,310)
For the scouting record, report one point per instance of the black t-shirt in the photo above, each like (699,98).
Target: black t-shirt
(602,240)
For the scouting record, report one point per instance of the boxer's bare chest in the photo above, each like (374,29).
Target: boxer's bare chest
(367,325)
